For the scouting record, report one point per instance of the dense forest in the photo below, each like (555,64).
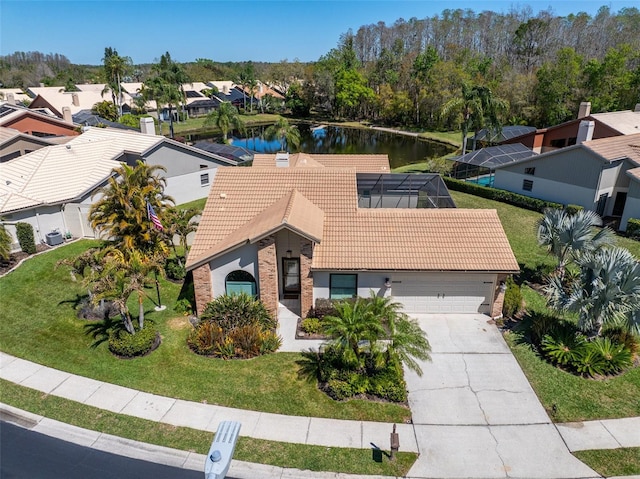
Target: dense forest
(429,73)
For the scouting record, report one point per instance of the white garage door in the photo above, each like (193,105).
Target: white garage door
(443,293)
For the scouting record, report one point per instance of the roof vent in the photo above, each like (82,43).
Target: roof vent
(68,146)
(637,108)
(223,195)
(282,159)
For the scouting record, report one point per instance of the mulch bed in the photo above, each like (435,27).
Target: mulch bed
(6,266)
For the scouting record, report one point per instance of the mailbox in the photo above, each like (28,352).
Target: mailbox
(221,452)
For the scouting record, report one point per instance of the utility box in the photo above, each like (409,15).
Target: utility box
(221,452)
(54,238)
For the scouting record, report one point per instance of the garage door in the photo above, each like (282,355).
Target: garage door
(444,293)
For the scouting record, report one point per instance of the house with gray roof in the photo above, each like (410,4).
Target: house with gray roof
(51,188)
(599,175)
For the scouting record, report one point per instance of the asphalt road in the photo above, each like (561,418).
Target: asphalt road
(28,454)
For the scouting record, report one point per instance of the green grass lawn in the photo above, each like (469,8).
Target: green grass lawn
(612,462)
(282,454)
(196,125)
(38,323)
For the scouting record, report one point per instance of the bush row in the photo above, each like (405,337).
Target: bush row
(633,228)
(499,195)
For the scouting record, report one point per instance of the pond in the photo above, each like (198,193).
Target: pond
(402,149)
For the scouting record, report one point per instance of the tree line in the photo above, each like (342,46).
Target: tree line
(537,68)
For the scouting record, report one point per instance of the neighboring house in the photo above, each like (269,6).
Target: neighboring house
(51,188)
(35,123)
(87,118)
(14,96)
(14,143)
(605,125)
(295,234)
(599,175)
(58,100)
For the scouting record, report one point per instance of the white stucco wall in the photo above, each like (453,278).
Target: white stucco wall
(188,187)
(546,189)
(367,281)
(244,258)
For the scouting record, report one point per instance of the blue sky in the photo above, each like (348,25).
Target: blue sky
(234,30)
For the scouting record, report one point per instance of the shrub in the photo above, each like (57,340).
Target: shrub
(615,357)
(339,390)
(324,307)
(512,299)
(620,335)
(499,195)
(311,325)
(564,347)
(389,385)
(271,342)
(5,244)
(226,349)
(247,340)
(541,325)
(206,338)
(573,209)
(633,228)
(129,345)
(232,311)
(24,232)
(175,270)
(590,363)
(183,306)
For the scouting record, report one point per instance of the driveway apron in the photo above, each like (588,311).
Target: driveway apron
(474,412)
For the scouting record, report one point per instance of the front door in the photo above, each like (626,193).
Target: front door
(291,277)
(618,205)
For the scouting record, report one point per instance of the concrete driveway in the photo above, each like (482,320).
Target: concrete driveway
(474,412)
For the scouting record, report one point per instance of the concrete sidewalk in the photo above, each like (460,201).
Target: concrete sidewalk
(474,413)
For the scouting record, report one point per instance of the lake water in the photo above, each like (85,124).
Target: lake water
(402,149)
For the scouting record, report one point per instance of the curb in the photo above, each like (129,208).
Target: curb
(153,453)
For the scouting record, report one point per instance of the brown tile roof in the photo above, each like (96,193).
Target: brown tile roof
(292,211)
(416,239)
(249,202)
(616,147)
(361,163)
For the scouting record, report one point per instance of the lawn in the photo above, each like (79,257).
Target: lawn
(282,454)
(612,462)
(38,323)
(196,125)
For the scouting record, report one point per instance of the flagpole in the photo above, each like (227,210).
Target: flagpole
(157,225)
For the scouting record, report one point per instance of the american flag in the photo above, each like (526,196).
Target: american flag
(154,217)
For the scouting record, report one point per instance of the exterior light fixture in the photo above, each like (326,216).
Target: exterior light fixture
(289,253)
(503,286)
(387,282)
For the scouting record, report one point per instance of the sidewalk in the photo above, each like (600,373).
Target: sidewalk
(153,453)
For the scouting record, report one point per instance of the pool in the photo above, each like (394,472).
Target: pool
(482,180)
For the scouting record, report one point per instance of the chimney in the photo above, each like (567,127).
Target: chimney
(585,131)
(225,89)
(282,159)
(637,108)
(585,109)
(147,126)
(66,114)
(11,99)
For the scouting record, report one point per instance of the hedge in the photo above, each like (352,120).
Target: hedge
(633,228)
(24,232)
(499,195)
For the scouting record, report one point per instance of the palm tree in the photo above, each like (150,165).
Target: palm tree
(225,117)
(607,290)
(406,340)
(566,236)
(167,84)
(283,131)
(121,211)
(477,108)
(352,324)
(115,67)
(180,222)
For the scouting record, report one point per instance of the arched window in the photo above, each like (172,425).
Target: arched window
(240,281)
